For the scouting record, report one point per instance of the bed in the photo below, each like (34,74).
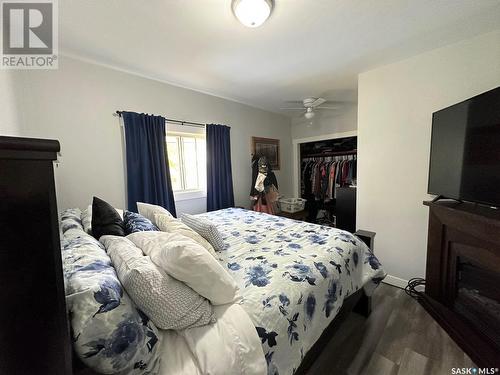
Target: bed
(293,277)
(296,279)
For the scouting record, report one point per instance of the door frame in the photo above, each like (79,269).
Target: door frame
(296,153)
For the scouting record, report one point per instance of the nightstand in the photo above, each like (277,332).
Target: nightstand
(367,237)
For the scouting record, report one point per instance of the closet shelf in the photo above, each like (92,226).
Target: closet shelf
(327,154)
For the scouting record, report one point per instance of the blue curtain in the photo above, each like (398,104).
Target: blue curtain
(148,174)
(219,175)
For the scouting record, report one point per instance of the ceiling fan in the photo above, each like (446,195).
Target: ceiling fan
(309,106)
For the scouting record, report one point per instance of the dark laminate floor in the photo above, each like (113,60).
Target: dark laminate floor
(398,338)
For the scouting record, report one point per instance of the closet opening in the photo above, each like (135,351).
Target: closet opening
(328,180)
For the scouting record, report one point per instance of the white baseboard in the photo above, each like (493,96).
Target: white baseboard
(395,281)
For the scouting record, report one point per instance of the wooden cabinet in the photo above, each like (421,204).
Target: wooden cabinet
(345,208)
(34,331)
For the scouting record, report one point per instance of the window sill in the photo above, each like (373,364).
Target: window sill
(189,194)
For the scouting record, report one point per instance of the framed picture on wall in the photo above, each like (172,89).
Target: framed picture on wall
(269,148)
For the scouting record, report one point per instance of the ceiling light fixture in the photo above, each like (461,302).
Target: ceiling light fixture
(309,113)
(252,13)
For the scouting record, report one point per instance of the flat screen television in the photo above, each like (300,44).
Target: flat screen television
(465,150)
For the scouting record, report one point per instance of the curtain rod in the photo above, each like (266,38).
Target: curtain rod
(173,121)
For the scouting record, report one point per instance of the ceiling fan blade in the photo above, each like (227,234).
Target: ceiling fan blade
(339,102)
(327,107)
(292,109)
(318,102)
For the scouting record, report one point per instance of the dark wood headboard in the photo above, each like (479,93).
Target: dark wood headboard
(34,329)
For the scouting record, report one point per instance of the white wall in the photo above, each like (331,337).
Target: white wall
(395,104)
(75,104)
(10,114)
(344,119)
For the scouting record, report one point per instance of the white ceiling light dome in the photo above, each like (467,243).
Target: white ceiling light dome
(252,13)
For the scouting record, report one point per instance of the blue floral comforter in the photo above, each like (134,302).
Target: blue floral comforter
(293,278)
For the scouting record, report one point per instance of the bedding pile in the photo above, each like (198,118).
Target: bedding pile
(135,284)
(168,302)
(110,334)
(188,262)
(293,277)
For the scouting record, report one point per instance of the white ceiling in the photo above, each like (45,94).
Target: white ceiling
(306,48)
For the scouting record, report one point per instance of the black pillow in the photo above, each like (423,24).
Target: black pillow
(105,219)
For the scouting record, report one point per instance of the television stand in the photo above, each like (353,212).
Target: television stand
(462,277)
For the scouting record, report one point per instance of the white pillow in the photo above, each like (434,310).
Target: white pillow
(149,210)
(172,225)
(86,218)
(187,261)
(168,302)
(121,251)
(206,229)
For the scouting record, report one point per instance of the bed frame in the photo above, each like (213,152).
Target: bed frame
(358,302)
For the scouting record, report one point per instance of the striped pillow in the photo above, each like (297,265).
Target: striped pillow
(205,229)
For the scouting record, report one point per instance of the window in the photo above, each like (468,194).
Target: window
(187,161)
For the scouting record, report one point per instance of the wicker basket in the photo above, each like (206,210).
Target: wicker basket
(292,205)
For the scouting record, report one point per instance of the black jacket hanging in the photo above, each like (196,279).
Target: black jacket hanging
(269,180)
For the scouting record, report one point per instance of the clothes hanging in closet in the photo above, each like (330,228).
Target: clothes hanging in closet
(320,177)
